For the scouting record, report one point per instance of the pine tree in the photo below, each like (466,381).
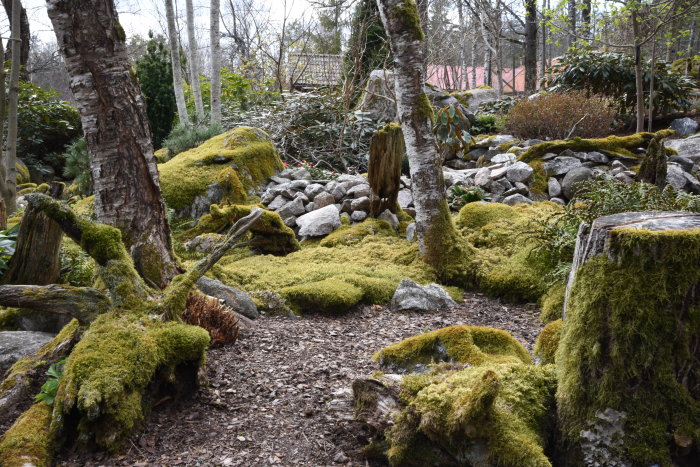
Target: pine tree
(368,48)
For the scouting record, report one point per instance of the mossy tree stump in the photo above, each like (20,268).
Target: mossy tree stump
(631,340)
(386,152)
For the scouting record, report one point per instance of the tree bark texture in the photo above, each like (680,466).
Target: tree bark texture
(194,63)
(638,72)
(25,35)
(176,62)
(215,40)
(113,114)
(530,46)
(386,151)
(435,230)
(12,105)
(630,343)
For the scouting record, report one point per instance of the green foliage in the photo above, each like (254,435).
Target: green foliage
(499,106)
(8,241)
(561,115)
(50,387)
(186,136)
(155,76)
(612,74)
(78,167)
(451,130)
(692,64)
(317,172)
(459,195)
(485,123)
(77,268)
(46,126)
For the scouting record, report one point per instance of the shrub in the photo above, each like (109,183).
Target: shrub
(498,106)
(210,314)
(78,167)
(485,123)
(459,195)
(186,136)
(560,116)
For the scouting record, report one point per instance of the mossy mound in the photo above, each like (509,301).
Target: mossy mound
(630,343)
(107,374)
(473,345)
(28,441)
(269,234)
(235,163)
(497,414)
(351,235)
(548,341)
(615,145)
(22,173)
(502,263)
(552,303)
(375,265)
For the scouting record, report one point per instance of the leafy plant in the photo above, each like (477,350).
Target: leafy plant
(459,195)
(451,130)
(497,107)
(8,242)
(561,115)
(317,173)
(50,387)
(77,267)
(186,136)
(612,75)
(78,167)
(485,123)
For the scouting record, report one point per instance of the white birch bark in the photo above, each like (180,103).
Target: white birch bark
(175,61)
(215,62)
(12,104)
(194,62)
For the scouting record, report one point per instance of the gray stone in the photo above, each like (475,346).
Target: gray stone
(512,200)
(519,189)
(405,198)
(355,179)
(561,165)
(684,126)
(483,178)
(410,296)
(553,187)
(237,300)
(685,163)
(459,164)
(573,178)
(618,165)
(549,156)
(292,208)
(201,243)
(301,174)
(358,191)
(519,172)
(558,201)
(360,204)
(346,206)
(623,177)
(358,216)
(313,190)
(286,173)
(277,180)
(494,141)
(675,176)
(506,157)
(693,185)
(411,232)
(310,206)
(302,197)
(497,173)
(299,185)
(500,186)
(686,147)
(338,191)
(267,196)
(17,344)
(277,203)
(323,199)
(291,221)
(319,222)
(596,157)
(390,217)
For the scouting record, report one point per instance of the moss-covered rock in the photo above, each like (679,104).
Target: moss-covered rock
(473,345)
(226,168)
(28,441)
(350,235)
(548,341)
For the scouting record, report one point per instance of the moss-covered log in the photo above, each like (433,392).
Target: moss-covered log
(28,442)
(630,340)
(83,303)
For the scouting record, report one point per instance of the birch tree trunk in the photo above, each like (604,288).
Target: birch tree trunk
(437,237)
(117,132)
(530,46)
(215,62)
(194,63)
(638,73)
(24,36)
(176,63)
(12,104)
(5,192)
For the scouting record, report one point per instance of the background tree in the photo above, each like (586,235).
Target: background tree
(25,36)
(367,48)
(175,61)
(214,40)
(194,62)
(156,79)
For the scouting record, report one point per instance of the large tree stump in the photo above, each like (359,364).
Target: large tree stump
(629,356)
(386,151)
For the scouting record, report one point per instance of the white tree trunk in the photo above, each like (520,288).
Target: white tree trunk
(437,237)
(194,63)
(12,104)
(215,62)
(175,61)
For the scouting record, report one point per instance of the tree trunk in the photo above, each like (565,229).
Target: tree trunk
(650,124)
(215,62)
(530,47)
(194,63)
(638,73)
(437,237)
(629,354)
(543,52)
(25,35)
(176,62)
(113,114)
(572,21)
(12,105)
(3,215)
(586,19)
(386,151)
(5,192)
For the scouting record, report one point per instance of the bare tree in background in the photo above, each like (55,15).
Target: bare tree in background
(9,190)
(194,62)
(215,40)
(176,63)
(25,36)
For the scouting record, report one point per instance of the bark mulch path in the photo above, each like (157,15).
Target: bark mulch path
(279,395)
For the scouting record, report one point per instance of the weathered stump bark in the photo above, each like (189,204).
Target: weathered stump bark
(629,356)
(386,151)
(3,215)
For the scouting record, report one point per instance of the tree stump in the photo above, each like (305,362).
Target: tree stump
(386,151)
(628,363)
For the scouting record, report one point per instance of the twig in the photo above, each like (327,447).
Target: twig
(573,128)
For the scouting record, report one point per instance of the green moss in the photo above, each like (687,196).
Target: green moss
(462,97)
(119,32)
(423,109)
(325,296)
(471,345)
(269,234)
(504,147)
(85,207)
(110,368)
(548,341)
(189,174)
(552,303)
(407,14)
(476,215)
(540,179)
(162,155)
(498,414)
(9,319)
(43,188)
(22,173)
(632,324)
(350,235)
(29,440)
(613,144)
(444,248)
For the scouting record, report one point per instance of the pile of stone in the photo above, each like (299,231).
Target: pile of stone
(314,208)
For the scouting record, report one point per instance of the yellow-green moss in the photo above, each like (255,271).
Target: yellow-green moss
(187,175)
(325,296)
(473,345)
(540,179)
(8,319)
(548,341)
(445,249)
(350,235)
(476,215)
(29,440)
(504,147)
(162,155)
(407,14)
(614,144)
(110,368)
(22,173)
(552,303)
(498,414)
(462,97)
(632,324)
(85,207)
(423,108)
